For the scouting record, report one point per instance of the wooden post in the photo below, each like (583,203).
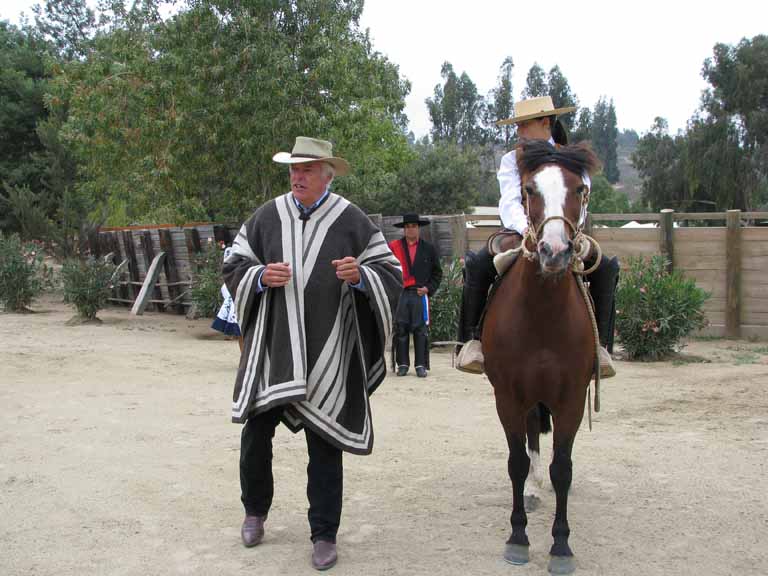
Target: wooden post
(153,271)
(666,237)
(192,237)
(133,264)
(171,272)
(733,274)
(458,235)
(149,257)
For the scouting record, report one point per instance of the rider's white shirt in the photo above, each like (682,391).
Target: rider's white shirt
(511,209)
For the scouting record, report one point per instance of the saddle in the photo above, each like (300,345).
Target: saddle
(504,246)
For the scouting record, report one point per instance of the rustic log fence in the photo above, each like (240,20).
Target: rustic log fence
(730,261)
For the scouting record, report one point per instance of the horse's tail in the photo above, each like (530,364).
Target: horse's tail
(545,419)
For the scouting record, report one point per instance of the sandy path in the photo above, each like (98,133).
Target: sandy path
(117,457)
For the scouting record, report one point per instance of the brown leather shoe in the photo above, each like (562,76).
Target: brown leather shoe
(252,530)
(323,555)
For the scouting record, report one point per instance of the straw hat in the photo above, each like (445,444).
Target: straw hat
(313,150)
(534,108)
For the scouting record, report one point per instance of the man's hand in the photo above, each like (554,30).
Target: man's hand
(422,290)
(276,275)
(347,270)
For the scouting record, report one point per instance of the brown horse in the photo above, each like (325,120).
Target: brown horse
(538,338)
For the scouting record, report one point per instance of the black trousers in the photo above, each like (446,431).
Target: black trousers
(409,318)
(324,475)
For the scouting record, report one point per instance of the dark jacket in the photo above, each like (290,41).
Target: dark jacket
(426,266)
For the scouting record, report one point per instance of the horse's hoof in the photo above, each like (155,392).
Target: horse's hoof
(516,554)
(561,565)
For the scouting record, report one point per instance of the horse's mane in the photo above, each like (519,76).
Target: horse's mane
(532,154)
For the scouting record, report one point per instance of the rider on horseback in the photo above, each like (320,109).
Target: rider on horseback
(536,119)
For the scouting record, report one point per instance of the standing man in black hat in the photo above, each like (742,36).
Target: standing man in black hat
(421,277)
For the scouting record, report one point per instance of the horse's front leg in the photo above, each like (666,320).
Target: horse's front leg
(561,473)
(516,550)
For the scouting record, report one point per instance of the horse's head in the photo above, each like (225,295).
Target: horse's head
(555,196)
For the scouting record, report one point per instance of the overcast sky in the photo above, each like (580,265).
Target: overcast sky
(646,55)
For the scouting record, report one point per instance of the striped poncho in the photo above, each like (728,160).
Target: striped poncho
(315,346)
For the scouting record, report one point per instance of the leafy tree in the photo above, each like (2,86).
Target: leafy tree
(721,160)
(604,136)
(535,83)
(179,119)
(501,106)
(22,87)
(456,109)
(605,199)
(443,179)
(583,126)
(659,158)
(69,25)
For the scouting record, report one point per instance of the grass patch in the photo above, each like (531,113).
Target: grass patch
(745,358)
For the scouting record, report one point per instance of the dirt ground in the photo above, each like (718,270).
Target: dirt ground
(117,457)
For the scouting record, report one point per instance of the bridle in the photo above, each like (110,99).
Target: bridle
(581,242)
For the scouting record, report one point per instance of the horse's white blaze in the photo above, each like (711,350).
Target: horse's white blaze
(551,185)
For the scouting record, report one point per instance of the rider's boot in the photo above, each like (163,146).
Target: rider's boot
(478,277)
(602,287)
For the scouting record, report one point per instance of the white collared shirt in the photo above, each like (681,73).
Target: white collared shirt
(511,209)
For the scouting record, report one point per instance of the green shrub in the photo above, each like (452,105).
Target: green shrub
(22,272)
(87,285)
(445,305)
(207,280)
(656,309)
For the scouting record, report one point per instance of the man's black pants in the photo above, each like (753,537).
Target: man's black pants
(409,318)
(324,475)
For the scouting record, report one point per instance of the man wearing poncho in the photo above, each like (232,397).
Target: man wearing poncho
(315,287)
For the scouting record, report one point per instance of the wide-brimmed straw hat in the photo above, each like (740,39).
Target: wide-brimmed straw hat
(411,219)
(313,150)
(535,108)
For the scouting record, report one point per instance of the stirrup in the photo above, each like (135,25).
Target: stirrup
(470,358)
(606,363)
(502,262)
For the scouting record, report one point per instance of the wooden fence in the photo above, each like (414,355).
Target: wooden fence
(730,261)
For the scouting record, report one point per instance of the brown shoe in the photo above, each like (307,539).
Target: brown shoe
(323,555)
(252,530)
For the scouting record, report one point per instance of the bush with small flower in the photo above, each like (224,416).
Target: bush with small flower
(88,285)
(656,309)
(23,274)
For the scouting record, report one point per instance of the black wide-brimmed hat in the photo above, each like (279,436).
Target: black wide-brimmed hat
(411,219)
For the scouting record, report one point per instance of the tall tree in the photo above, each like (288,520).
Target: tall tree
(562,95)
(659,158)
(23,205)
(604,136)
(583,125)
(69,25)
(535,83)
(501,106)
(456,109)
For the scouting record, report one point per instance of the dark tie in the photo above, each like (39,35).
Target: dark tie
(307,212)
